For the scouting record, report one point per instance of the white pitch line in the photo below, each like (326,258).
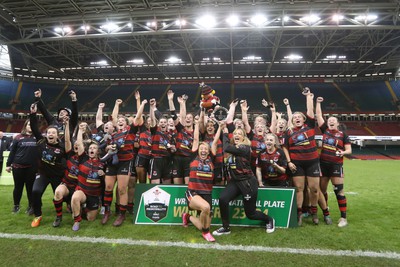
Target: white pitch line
(102,240)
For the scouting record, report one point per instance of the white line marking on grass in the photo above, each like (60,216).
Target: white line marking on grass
(102,240)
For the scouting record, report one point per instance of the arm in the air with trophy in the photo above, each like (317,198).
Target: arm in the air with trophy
(245,118)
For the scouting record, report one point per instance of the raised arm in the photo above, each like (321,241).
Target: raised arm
(318,111)
(74,109)
(79,138)
(182,109)
(115,112)
(202,123)
(67,137)
(34,123)
(139,115)
(153,121)
(231,111)
(288,111)
(99,115)
(245,118)
(196,136)
(42,108)
(222,125)
(274,118)
(309,101)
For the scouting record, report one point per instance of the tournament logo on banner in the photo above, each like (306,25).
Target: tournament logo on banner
(156,202)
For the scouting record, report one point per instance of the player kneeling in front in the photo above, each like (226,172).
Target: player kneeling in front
(90,180)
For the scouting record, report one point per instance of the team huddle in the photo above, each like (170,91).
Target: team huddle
(83,163)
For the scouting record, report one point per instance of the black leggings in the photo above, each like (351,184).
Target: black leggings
(40,185)
(23,176)
(249,191)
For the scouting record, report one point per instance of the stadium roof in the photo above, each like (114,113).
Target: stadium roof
(147,40)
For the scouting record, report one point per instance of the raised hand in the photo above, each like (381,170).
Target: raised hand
(320,99)
(286,101)
(137,94)
(170,95)
(118,102)
(72,94)
(102,105)
(38,93)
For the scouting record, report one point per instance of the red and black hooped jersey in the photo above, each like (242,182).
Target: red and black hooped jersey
(70,178)
(257,145)
(184,141)
(145,142)
(281,138)
(219,157)
(160,143)
(201,176)
(301,142)
(265,161)
(125,140)
(89,180)
(332,140)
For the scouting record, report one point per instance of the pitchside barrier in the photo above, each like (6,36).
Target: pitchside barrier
(165,204)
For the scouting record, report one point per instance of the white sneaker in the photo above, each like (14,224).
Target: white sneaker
(222,231)
(270,227)
(102,210)
(342,222)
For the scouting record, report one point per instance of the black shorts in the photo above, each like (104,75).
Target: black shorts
(279,183)
(181,167)
(332,170)
(142,161)
(92,202)
(160,168)
(307,168)
(189,194)
(122,168)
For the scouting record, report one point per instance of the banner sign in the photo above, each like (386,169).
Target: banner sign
(165,204)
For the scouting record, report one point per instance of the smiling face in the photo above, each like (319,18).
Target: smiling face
(204,150)
(298,119)
(122,123)
(189,119)
(282,124)
(260,128)
(238,136)
(332,123)
(93,151)
(270,141)
(52,135)
(163,123)
(210,127)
